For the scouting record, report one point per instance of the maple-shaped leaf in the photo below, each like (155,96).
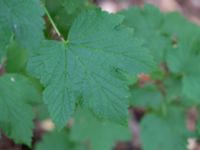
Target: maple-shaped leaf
(21,20)
(100,135)
(164,133)
(86,65)
(16,113)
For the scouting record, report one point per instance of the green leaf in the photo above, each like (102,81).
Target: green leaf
(177,27)
(86,66)
(21,20)
(15,109)
(147,23)
(5,36)
(72,5)
(16,58)
(184,61)
(42,112)
(99,135)
(58,141)
(173,87)
(164,133)
(198,127)
(148,97)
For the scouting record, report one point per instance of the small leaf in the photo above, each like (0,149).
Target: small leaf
(15,109)
(164,133)
(184,61)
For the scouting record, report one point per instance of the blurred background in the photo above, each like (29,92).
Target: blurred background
(189,8)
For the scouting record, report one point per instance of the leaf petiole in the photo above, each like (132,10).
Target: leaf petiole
(53,24)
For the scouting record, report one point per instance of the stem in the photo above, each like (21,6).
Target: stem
(53,24)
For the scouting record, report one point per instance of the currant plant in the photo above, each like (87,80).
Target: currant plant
(88,67)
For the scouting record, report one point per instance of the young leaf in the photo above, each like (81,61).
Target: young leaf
(23,20)
(164,133)
(86,66)
(99,135)
(15,109)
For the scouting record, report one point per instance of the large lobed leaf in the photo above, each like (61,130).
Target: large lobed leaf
(98,47)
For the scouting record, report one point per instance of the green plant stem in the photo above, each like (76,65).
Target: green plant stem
(53,24)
